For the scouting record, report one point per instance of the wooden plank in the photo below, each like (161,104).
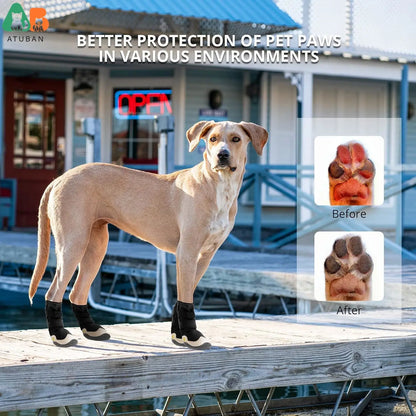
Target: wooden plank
(224,333)
(140,361)
(146,376)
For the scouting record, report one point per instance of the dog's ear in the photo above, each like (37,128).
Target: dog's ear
(258,135)
(197,132)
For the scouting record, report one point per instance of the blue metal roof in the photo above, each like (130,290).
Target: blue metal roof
(245,11)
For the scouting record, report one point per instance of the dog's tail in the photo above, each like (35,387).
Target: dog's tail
(44,238)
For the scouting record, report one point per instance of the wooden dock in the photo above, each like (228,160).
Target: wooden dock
(140,361)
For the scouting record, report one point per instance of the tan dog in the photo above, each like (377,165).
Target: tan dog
(189,213)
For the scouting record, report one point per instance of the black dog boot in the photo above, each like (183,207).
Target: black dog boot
(89,328)
(59,335)
(190,336)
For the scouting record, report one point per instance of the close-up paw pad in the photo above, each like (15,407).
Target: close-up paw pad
(348,270)
(351,176)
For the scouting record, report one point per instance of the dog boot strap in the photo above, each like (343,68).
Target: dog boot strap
(186,316)
(84,318)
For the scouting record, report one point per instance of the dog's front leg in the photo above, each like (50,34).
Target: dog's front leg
(202,266)
(186,265)
(184,330)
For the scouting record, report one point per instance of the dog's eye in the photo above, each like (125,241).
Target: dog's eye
(213,139)
(235,139)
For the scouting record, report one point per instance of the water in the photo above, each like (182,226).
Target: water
(27,317)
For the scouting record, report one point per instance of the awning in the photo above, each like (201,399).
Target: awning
(224,17)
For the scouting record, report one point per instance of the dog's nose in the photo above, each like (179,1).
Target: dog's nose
(223,155)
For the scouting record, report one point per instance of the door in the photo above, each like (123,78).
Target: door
(34,131)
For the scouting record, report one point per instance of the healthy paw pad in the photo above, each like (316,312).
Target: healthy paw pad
(348,271)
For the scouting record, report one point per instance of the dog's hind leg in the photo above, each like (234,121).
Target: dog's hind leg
(88,269)
(67,258)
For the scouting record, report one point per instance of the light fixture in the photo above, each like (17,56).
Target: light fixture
(410,110)
(215,99)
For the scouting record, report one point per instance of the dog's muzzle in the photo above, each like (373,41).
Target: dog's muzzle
(224,160)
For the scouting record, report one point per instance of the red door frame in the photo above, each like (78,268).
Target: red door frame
(32,181)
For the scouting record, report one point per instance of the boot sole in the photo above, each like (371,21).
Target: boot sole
(200,344)
(204,346)
(99,335)
(177,341)
(68,341)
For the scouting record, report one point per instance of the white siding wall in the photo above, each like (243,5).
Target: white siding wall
(363,104)
(281,149)
(356,101)
(410,196)
(282,121)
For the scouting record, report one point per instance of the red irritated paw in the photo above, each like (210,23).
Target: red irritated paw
(351,176)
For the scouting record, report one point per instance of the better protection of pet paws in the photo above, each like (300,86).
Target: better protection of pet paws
(348,271)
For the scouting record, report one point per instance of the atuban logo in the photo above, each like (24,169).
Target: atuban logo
(16,19)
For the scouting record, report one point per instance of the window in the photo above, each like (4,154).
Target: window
(134,132)
(34,129)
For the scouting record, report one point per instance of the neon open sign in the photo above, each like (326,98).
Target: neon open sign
(142,104)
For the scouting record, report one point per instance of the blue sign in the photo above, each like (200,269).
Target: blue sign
(210,114)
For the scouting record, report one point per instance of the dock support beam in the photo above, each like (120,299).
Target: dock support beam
(406,396)
(339,398)
(404,102)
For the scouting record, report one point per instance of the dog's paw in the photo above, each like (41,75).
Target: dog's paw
(348,271)
(351,176)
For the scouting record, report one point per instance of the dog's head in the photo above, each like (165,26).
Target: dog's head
(226,142)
